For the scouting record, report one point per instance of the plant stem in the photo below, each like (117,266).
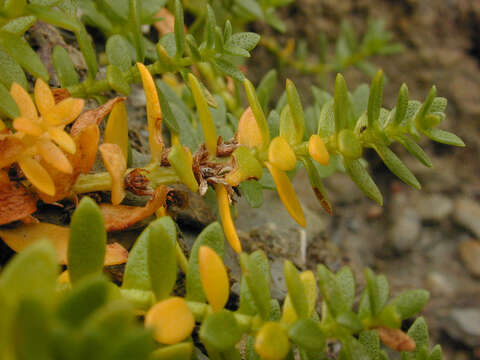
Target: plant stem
(157,175)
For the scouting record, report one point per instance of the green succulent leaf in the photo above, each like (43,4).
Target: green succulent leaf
(220,331)
(181,351)
(117,81)
(295,289)
(410,302)
(396,166)
(118,52)
(86,248)
(30,333)
(331,291)
(162,261)
(341,103)
(402,105)
(30,274)
(444,137)
(88,296)
(266,88)
(8,106)
(419,333)
(307,334)
(370,340)
(361,177)
(415,150)
(375,99)
(18,48)
(252,191)
(11,71)
(67,75)
(179,28)
(257,278)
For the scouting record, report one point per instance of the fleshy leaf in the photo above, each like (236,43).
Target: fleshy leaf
(86,248)
(214,278)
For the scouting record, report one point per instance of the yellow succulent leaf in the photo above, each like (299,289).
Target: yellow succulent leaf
(116,166)
(62,139)
(318,150)
(214,278)
(226,218)
(271,342)
(37,175)
(43,97)
(310,287)
(2,125)
(289,315)
(24,102)
(154,113)
(54,156)
(65,111)
(248,132)
(281,155)
(27,126)
(64,277)
(287,194)
(208,126)
(21,237)
(116,131)
(161,212)
(171,321)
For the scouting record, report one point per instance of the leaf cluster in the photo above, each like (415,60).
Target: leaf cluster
(93,317)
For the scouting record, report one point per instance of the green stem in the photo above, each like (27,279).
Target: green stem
(157,175)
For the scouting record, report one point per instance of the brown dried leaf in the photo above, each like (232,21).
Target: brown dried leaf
(120,217)
(16,203)
(94,116)
(166,24)
(23,236)
(60,94)
(396,339)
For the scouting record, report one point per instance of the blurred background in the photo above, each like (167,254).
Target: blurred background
(428,238)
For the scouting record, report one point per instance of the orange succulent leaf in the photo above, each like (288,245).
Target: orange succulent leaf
(94,116)
(24,102)
(86,143)
(121,217)
(116,130)
(248,132)
(44,98)
(23,236)
(318,150)
(226,218)
(10,147)
(27,126)
(171,321)
(54,156)
(281,154)
(213,276)
(37,175)
(116,165)
(287,194)
(65,111)
(16,202)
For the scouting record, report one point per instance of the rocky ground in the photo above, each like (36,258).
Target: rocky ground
(428,239)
